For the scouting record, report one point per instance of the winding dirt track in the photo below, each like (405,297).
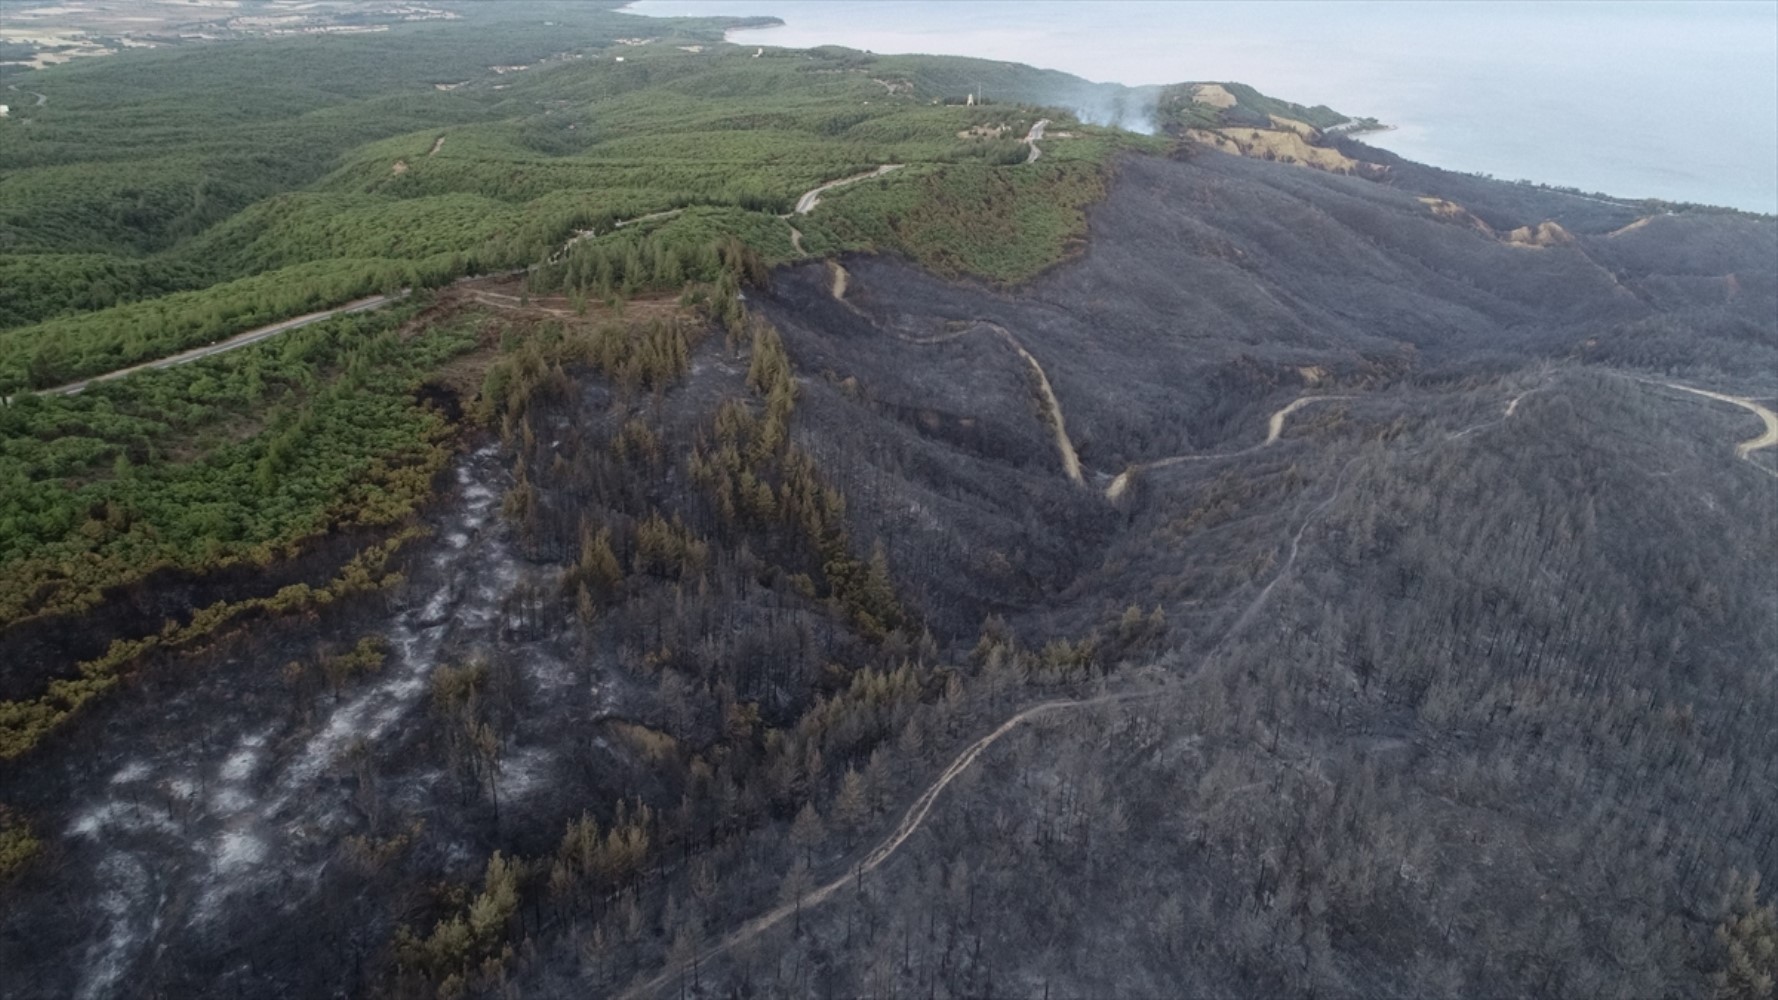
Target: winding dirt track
(1745,449)
(1031,138)
(916,813)
(910,823)
(804,205)
(587,234)
(1632,227)
(258,334)
(812,197)
(1052,407)
(1274,428)
(1766,440)
(1275,425)
(650,217)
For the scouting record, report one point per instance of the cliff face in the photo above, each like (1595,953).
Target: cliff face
(1420,595)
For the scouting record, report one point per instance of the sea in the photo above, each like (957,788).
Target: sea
(1649,99)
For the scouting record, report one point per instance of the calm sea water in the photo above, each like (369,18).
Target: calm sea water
(1639,99)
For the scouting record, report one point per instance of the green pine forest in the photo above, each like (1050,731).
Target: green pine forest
(165,199)
(168,198)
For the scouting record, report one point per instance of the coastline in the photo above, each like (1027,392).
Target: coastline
(1453,108)
(728,34)
(760,22)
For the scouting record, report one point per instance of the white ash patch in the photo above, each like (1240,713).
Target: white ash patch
(134,771)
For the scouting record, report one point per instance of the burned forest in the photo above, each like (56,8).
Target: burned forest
(1306,582)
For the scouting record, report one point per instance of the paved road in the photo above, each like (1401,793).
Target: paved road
(235,342)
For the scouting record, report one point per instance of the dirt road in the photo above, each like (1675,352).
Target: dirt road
(1745,449)
(812,197)
(910,823)
(1051,405)
(1031,138)
(1274,427)
(804,205)
(233,343)
(500,300)
(650,217)
(254,336)
(916,813)
(587,234)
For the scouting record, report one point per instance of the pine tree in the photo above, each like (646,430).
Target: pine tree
(1748,938)
(807,831)
(852,807)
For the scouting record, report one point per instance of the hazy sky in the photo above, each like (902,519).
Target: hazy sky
(1676,100)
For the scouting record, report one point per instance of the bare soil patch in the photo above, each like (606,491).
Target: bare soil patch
(1213,94)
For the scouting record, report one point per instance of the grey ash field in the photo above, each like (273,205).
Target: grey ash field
(1339,580)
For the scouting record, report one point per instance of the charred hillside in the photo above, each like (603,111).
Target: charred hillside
(1307,589)
(1470,648)
(1211,296)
